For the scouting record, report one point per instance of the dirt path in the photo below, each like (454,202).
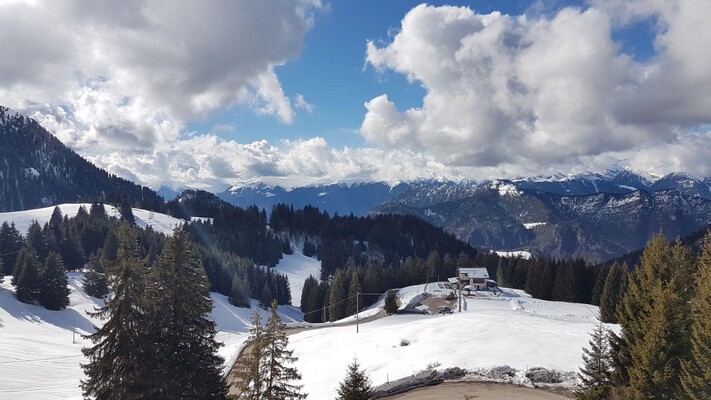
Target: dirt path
(477,390)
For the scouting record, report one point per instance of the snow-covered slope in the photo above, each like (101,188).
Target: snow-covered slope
(40,350)
(297,267)
(22,219)
(513,330)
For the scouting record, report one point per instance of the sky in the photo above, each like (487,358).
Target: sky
(296,92)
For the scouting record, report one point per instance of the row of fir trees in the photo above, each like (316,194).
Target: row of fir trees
(156,341)
(664,348)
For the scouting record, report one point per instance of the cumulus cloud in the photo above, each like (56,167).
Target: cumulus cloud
(535,93)
(131,76)
(506,96)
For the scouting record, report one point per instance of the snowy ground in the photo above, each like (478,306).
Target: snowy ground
(513,329)
(40,354)
(514,254)
(297,268)
(23,219)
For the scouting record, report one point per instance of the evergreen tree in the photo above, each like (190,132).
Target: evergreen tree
(111,245)
(71,248)
(35,239)
(49,244)
(696,369)
(126,211)
(596,372)
(278,377)
(97,210)
(54,293)
(501,273)
(356,385)
(612,292)
(601,276)
(621,361)
(548,279)
(372,280)
(117,367)
(311,300)
(391,306)
(186,364)
(95,284)
(10,245)
(265,296)
(55,223)
(337,297)
(654,320)
(353,292)
(435,265)
(248,370)
(28,281)
(239,294)
(309,248)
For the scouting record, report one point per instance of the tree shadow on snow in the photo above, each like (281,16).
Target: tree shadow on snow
(68,319)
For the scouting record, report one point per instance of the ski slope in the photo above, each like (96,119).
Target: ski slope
(144,218)
(40,350)
(297,267)
(514,330)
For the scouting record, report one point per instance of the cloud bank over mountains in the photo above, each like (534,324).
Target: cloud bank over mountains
(505,95)
(546,90)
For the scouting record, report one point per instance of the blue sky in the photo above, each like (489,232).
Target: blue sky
(207,94)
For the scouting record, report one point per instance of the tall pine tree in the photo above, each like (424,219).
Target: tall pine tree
(186,364)
(279,377)
(354,289)
(696,370)
(248,370)
(239,293)
(597,369)
(54,293)
(10,245)
(337,297)
(28,281)
(117,367)
(612,291)
(654,320)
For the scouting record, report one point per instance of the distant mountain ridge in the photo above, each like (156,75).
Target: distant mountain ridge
(344,199)
(37,170)
(360,198)
(597,226)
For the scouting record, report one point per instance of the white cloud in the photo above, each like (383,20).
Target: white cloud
(301,103)
(121,73)
(537,93)
(506,96)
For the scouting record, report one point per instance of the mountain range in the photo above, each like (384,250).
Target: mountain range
(595,216)
(37,170)
(596,227)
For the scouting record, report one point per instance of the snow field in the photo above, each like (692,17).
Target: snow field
(512,330)
(297,267)
(144,218)
(40,350)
